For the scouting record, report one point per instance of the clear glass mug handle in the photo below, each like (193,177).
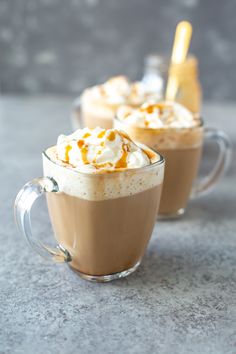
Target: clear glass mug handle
(205,184)
(76,117)
(23,204)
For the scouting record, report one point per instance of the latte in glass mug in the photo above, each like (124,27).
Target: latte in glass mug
(178,135)
(103,193)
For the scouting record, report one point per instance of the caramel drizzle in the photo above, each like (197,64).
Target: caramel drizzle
(112,136)
(122,162)
(84,151)
(149,154)
(86,135)
(80,143)
(101,134)
(125,135)
(67,158)
(158,106)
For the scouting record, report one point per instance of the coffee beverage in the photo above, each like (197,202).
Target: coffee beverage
(173,131)
(97,105)
(116,245)
(109,196)
(176,191)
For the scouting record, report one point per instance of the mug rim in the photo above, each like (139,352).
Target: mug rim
(159,162)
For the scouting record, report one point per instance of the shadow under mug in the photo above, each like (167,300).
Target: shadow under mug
(102,221)
(182,150)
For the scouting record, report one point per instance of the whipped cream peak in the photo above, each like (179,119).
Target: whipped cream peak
(98,149)
(120,90)
(163,114)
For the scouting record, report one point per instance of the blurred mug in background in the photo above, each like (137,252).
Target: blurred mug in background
(178,135)
(98,104)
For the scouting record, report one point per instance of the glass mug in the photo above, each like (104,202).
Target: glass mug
(102,222)
(182,150)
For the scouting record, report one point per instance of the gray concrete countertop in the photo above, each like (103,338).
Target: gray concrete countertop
(181,299)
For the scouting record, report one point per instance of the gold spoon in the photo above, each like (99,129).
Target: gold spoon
(180,49)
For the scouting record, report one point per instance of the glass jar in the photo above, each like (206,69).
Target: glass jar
(189,92)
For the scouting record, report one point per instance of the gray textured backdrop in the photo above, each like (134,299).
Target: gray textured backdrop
(58,46)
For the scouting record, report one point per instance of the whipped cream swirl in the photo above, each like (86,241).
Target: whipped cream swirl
(95,150)
(159,115)
(119,90)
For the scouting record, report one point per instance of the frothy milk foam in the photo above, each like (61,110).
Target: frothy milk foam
(98,164)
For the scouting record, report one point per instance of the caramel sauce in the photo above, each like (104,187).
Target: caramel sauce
(80,143)
(122,163)
(84,152)
(149,109)
(125,135)
(86,135)
(158,106)
(149,154)
(101,134)
(68,148)
(111,136)
(128,148)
